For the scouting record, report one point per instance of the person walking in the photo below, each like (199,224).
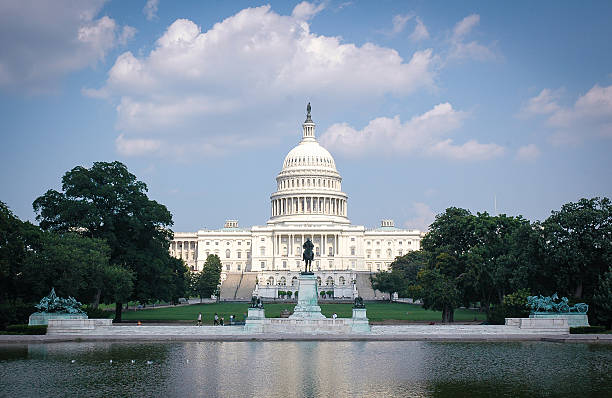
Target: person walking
(216,320)
(199,319)
(221,321)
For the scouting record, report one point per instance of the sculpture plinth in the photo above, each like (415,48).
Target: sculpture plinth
(308,305)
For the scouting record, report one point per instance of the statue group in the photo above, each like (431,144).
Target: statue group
(308,256)
(549,304)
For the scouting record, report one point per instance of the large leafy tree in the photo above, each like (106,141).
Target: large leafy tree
(107,202)
(402,275)
(578,245)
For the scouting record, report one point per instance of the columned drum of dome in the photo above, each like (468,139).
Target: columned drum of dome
(309,188)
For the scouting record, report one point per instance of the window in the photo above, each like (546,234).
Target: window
(369,243)
(389,254)
(294,281)
(342,281)
(239,242)
(352,250)
(262,251)
(263,264)
(239,254)
(319,280)
(409,242)
(317,251)
(368,253)
(330,251)
(216,243)
(270,281)
(248,254)
(263,239)
(207,243)
(227,253)
(400,242)
(353,264)
(248,243)
(389,243)
(331,263)
(238,266)
(399,252)
(228,243)
(353,239)
(297,264)
(329,281)
(227,267)
(284,264)
(378,242)
(377,253)
(282,281)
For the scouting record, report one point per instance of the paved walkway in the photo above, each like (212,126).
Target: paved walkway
(378,333)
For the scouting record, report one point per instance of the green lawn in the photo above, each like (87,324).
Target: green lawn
(376,312)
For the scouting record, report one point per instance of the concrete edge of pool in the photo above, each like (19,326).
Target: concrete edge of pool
(585,338)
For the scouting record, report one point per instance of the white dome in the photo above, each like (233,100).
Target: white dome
(309,154)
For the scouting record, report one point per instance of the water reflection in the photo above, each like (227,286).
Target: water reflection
(305,369)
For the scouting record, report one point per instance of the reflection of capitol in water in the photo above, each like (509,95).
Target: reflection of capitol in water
(308,204)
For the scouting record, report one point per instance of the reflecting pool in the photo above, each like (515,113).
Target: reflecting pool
(306,369)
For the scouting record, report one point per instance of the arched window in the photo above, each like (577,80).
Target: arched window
(389,253)
(282,281)
(329,281)
(227,253)
(294,281)
(317,251)
(270,281)
(319,280)
(342,281)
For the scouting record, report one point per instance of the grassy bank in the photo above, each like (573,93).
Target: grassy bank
(376,312)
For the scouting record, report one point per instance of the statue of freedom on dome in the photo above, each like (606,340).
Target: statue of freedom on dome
(308,108)
(308,255)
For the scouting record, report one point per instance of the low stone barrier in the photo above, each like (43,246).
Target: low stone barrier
(540,325)
(75,326)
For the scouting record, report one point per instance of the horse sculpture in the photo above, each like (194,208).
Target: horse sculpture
(308,255)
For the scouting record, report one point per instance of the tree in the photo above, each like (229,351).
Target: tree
(438,291)
(578,245)
(389,282)
(210,276)
(107,202)
(601,308)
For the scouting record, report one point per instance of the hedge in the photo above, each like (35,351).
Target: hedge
(587,329)
(26,329)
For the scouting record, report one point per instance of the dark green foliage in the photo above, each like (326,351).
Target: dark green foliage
(587,329)
(107,202)
(601,304)
(26,329)
(513,306)
(96,313)
(209,278)
(14,313)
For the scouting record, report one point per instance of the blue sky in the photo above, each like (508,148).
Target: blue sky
(424,105)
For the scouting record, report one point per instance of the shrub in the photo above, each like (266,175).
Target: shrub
(281,293)
(330,293)
(289,293)
(322,293)
(513,306)
(587,329)
(96,313)
(27,329)
(15,313)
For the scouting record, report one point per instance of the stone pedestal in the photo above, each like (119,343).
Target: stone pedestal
(42,318)
(573,319)
(308,304)
(255,320)
(360,321)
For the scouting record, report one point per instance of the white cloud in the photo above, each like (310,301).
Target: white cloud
(471,150)
(305,10)
(541,104)
(136,147)
(150,9)
(399,22)
(42,41)
(420,31)
(463,27)
(590,116)
(423,217)
(248,63)
(528,152)
(422,134)
(462,49)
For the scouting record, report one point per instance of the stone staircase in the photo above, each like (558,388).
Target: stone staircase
(246,287)
(238,286)
(229,286)
(364,288)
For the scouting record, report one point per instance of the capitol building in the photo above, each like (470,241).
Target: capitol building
(308,204)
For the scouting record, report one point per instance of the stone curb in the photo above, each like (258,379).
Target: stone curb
(21,339)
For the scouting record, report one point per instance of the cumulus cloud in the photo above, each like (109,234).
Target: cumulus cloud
(528,152)
(423,217)
(399,22)
(461,48)
(248,63)
(422,134)
(43,41)
(150,9)
(590,116)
